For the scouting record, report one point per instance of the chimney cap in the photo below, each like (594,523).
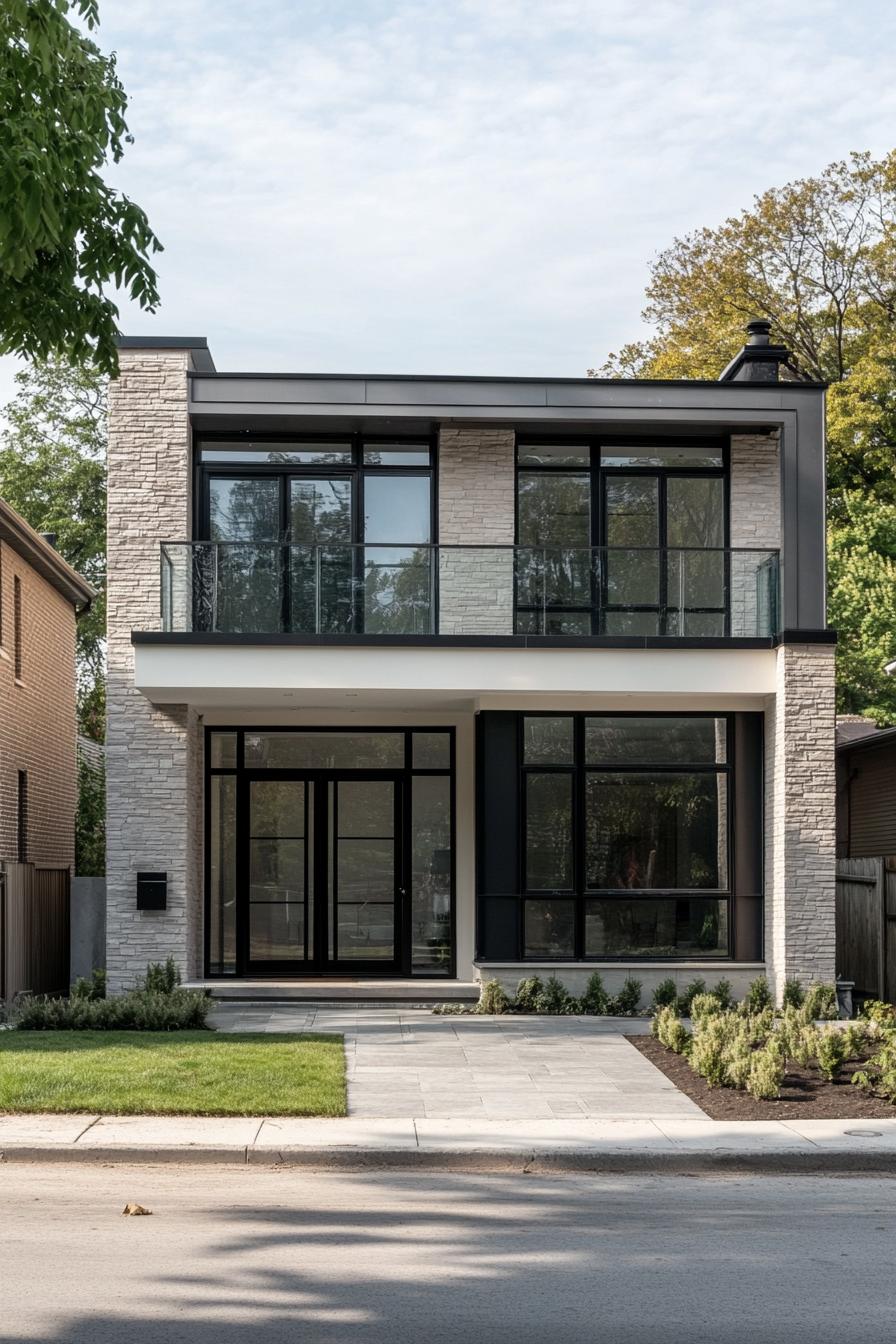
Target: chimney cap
(758,331)
(758,361)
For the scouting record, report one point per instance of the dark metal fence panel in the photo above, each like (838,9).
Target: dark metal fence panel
(866,925)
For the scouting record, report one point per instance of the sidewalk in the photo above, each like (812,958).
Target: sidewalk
(662,1143)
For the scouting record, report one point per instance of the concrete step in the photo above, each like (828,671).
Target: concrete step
(328,992)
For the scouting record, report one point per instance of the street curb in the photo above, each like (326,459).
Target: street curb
(497,1161)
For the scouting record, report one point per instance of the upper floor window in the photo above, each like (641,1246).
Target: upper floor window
(658,514)
(325,535)
(17,625)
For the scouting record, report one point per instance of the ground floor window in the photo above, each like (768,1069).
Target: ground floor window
(625,822)
(330,850)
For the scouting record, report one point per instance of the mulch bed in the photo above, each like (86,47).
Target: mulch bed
(805,1095)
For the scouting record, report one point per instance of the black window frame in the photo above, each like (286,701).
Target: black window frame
(355,472)
(17,627)
(406,773)
(580,893)
(22,816)
(595,447)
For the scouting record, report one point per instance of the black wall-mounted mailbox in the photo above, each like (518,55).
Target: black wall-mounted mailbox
(152,891)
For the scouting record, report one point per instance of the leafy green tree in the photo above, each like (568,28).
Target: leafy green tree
(52,470)
(90,822)
(818,258)
(65,235)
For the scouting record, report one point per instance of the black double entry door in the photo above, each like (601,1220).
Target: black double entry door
(323,873)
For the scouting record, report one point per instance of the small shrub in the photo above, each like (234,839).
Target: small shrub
(555,999)
(722,991)
(855,1036)
(704,1005)
(690,993)
(670,1031)
(879,1074)
(493,1000)
(738,1062)
(93,988)
(709,1048)
(766,1073)
(161,979)
(595,998)
(820,1002)
(452,1009)
(138,1010)
(794,994)
(759,996)
(527,994)
(627,1002)
(881,1014)
(831,1052)
(666,994)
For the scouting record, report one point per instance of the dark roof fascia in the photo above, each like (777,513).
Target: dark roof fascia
(497,379)
(42,557)
(881,738)
(197,346)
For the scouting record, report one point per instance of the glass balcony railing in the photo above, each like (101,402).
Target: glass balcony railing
(250,588)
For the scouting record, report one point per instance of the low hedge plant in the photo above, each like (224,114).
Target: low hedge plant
(158,1003)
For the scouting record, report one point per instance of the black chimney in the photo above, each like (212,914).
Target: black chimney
(759,360)
(49,538)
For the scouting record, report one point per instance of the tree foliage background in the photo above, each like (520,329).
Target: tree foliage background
(818,258)
(53,471)
(66,236)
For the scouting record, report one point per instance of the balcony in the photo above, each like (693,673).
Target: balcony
(343,590)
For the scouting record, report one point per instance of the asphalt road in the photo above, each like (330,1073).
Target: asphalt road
(257,1256)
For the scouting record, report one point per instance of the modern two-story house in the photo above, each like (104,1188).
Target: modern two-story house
(445,679)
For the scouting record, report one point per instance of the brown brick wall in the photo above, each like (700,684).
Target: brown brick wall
(37,717)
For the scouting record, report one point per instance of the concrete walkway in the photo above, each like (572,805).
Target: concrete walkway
(412,1065)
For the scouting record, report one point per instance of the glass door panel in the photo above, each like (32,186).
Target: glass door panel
(633,522)
(322,557)
(397,558)
(280,843)
(364,879)
(695,523)
(242,590)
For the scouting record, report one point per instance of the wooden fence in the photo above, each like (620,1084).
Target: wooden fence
(34,930)
(866,926)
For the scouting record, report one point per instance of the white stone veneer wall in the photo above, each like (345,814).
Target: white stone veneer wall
(755,524)
(800,817)
(477,484)
(153,755)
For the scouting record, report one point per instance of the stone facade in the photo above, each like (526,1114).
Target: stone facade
(800,806)
(37,716)
(477,507)
(153,756)
(755,526)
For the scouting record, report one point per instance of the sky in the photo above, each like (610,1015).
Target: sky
(468,186)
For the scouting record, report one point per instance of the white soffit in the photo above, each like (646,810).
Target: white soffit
(446,677)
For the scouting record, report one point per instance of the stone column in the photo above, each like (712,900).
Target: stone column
(800,818)
(153,754)
(477,510)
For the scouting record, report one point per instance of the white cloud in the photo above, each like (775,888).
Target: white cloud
(469,186)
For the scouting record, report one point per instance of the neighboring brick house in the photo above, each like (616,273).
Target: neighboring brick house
(40,597)
(458,678)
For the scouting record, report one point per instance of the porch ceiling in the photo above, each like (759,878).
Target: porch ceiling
(271,676)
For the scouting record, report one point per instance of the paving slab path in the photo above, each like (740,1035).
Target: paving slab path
(412,1064)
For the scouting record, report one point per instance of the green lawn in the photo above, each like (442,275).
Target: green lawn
(171,1073)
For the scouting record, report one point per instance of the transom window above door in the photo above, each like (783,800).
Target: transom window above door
(323,535)
(621,538)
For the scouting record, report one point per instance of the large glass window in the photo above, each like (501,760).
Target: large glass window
(640,865)
(621,540)
(318,537)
